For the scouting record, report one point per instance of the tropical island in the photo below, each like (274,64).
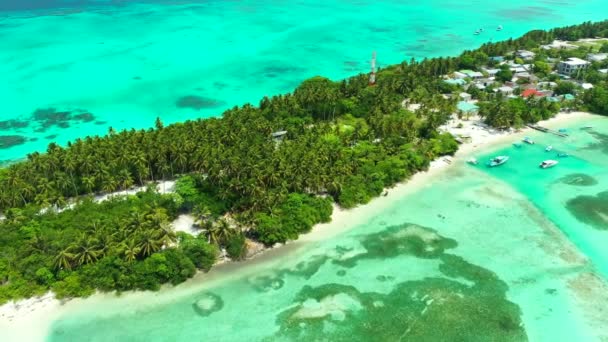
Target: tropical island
(269,173)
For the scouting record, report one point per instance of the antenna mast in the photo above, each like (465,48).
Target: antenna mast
(372,75)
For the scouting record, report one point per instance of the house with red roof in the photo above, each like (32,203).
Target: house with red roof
(531,92)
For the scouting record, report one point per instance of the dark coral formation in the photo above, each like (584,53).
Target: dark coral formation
(8,141)
(197,102)
(466,303)
(84,117)
(51,117)
(592,210)
(431,309)
(578,179)
(601,144)
(13,124)
(207,304)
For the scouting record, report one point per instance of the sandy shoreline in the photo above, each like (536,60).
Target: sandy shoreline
(16,318)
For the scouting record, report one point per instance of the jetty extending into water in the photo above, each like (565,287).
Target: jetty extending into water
(547,130)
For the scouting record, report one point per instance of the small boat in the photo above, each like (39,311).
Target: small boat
(499,28)
(562,130)
(548,148)
(527,140)
(517,145)
(472,161)
(548,163)
(563,155)
(496,161)
(587,127)
(481,30)
(477,32)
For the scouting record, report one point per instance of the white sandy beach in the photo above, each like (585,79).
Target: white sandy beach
(17,319)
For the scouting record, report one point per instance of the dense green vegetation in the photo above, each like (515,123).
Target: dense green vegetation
(517,111)
(119,244)
(344,141)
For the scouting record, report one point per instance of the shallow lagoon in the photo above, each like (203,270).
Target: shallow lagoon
(122,64)
(487,261)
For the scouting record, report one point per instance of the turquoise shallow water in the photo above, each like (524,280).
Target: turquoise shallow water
(88,65)
(584,174)
(398,271)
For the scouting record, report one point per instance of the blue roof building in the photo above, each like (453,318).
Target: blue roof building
(569,97)
(466,107)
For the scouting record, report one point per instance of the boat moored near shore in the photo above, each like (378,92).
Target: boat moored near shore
(548,163)
(497,161)
(528,140)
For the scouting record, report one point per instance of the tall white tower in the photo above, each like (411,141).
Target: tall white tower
(372,75)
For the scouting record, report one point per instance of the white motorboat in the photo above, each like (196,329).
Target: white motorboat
(548,163)
(472,161)
(496,161)
(499,28)
(527,140)
(548,148)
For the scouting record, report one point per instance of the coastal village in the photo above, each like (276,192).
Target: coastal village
(558,72)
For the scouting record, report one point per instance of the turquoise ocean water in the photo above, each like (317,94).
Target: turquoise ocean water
(505,234)
(74,68)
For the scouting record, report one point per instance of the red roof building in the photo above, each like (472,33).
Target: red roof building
(531,92)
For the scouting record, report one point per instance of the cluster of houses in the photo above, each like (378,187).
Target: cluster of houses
(524,80)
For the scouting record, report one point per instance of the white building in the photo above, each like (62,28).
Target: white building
(465,96)
(559,44)
(572,66)
(492,72)
(459,75)
(505,90)
(525,54)
(547,85)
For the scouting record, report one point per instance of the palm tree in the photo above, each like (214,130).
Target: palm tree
(136,221)
(88,183)
(148,243)
(223,231)
(124,179)
(85,250)
(165,234)
(105,243)
(202,213)
(130,250)
(64,259)
(109,184)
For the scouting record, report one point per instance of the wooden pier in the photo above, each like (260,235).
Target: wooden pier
(546,130)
